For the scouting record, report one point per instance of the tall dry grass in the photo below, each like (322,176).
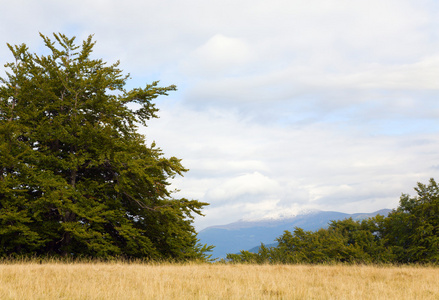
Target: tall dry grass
(31,280)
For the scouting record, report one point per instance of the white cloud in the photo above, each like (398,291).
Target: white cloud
(243,185)
(421,75)
(218,56)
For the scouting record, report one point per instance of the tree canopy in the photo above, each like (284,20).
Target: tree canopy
(76,177)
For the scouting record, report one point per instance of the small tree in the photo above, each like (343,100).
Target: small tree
(75,176)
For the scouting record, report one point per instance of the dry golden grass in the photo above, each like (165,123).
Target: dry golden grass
(214,281)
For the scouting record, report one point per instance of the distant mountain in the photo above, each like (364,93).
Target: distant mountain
(245,235)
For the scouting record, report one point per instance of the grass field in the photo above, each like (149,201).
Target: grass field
(32,280)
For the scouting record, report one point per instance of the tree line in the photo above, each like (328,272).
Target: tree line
(408,234)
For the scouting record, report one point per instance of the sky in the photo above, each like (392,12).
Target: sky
(282,106)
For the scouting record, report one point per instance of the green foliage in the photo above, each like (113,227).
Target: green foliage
(412,230)
(76,179)
(409,234)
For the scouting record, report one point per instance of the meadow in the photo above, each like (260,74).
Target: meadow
(117,280)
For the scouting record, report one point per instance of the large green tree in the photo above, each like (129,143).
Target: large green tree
(412,230)
(76,178)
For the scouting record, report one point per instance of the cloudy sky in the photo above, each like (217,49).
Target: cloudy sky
(282,106)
